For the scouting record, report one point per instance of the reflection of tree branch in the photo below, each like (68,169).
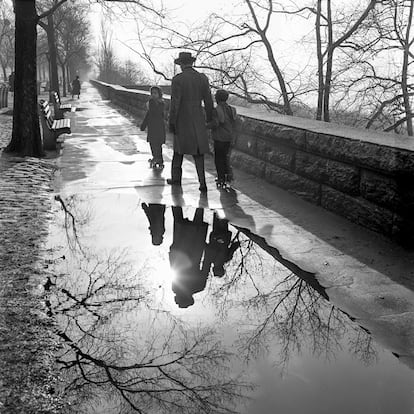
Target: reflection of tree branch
(59,198)
(174,369)
(70,225)
(291,309)
(308,277)
(171,385)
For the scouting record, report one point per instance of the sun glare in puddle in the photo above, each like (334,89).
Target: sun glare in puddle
(162,272)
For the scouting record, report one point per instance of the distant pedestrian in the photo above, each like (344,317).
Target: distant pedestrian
(223,132)
(76,87)
(187,119)
(11,82)
(154,121)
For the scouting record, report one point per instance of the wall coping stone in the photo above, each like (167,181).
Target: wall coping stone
(332,129)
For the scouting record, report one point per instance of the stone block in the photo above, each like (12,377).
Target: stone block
(276,154)
(289,136)
(360,153)
(248,163)
(344,177)
(246,143)
(281,134)
(358,210)
(405,188)
(310,165)
(403,230)
(380,189)
(302,187)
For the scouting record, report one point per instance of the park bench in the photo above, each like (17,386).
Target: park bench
(52,128)
(60,108)
(4,90)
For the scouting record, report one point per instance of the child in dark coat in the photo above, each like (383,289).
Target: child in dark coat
(154,120)
(223,126)
(220,249)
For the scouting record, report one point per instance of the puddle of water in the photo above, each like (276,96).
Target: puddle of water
(174,310)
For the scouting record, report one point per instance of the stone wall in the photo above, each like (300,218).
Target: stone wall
(365,176)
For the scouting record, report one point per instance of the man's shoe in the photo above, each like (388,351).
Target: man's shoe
(170,181)
(203,188)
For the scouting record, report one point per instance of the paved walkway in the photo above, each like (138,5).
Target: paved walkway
(365,274)
(105,162)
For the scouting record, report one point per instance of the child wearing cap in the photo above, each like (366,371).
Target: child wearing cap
(223,133)
(154,120)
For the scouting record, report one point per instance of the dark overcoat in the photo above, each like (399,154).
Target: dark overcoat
(154,120)
(186,251)
(76,87)
(188,90)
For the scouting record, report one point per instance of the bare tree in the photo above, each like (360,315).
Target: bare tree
(26,139)
(106,60)
(393,25)
(6,39)
(373,77)
(333,32)
(72,30)
(228,47)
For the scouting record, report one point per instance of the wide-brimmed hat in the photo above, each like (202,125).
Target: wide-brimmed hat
(184,57)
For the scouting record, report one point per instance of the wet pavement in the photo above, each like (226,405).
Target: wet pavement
(170,301)
(28,374)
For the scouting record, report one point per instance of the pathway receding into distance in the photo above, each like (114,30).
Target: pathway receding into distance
(300,278)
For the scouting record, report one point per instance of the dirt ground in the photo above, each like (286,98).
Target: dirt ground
(28,375)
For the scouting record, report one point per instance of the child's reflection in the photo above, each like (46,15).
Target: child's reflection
(220,248)
(189,242)
(155,214)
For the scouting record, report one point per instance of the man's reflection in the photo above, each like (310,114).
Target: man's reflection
(189,242)
(155,214)
(220,248)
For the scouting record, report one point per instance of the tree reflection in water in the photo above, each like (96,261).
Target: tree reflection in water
(124,354)
(291,311)
(127,353)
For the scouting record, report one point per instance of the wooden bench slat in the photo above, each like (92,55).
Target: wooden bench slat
(61,123)
(59,106)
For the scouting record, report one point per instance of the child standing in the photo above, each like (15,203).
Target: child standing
(223,125)
(154,120)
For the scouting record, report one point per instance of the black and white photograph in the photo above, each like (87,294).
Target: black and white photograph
(206,207)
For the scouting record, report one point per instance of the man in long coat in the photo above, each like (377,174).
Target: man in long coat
(187,119)
(186,251)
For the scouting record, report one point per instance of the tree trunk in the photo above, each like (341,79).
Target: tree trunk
(404,74)
(320,60)
(63,68)
(26,139)
(277,71)
(3,67)
(68,78)
(54,80)
(329,64)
